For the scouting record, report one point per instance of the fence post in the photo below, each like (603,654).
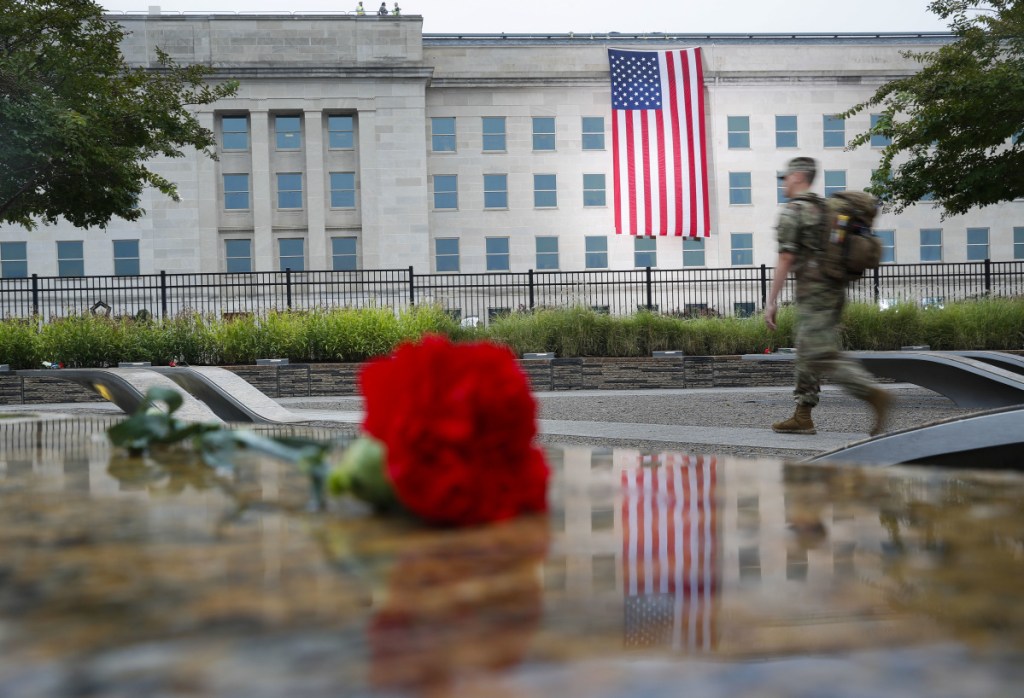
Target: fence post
(288,287)
(35,295)
(988,277)
(764,286)
(530,276)
(650,288)
(877,285)
(412,288)
(163,294)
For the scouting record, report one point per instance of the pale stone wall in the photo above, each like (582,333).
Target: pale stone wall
(393,80)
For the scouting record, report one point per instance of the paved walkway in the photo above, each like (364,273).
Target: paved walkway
(733,421)
(736,421)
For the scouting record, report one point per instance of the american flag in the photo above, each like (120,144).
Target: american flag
(670,555)
(659,153)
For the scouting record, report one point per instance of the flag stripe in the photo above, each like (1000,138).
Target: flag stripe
(702,141)
(616,179)
(670,560)
(677,154)
(659,157)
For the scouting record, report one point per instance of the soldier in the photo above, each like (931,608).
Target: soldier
(819,306)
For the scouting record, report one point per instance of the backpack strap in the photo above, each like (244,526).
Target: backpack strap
(821,237)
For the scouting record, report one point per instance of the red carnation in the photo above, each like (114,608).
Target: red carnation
(457,423)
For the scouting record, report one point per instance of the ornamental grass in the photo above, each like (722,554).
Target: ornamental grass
(354,335)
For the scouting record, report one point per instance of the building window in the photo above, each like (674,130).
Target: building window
(446,192)
(596,247)
(977,244)
(544,191)
(543,133)
(126,257)
(931,244)
(442,134)
(739,188)
(780,188)
(236,192)
(494,133)
(693,252)
(70,258)
(547,253)
(593,190)
(13,260)
(289,190)
(1018,243)
(785,131)
(340,132)
(645,252)
(739,131)
(343,254)
(237,256)
(835,180)
(877,139)
(888,238)
(593,133)
(834,130)
(495,191)
(497,254)
(234,132)
(496,313)
(292,253)
(288,130)
(343,190)
(742,249)
(743,308)
(446,254)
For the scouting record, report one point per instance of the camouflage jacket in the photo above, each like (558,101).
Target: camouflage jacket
(799,232)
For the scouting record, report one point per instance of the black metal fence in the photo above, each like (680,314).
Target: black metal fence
(684,292)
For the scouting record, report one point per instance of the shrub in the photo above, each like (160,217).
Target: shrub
(348,334)
(19,343)
(80,341)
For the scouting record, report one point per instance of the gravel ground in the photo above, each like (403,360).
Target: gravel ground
(754,408)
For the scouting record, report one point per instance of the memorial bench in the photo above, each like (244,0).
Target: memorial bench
(990,439)
(127,387)
(970,379)
(210,394)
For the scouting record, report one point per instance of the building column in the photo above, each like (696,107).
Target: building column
(316,203)
(371,252)
(209,203)
(262,193)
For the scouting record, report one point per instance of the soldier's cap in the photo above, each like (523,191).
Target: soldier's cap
(800,164)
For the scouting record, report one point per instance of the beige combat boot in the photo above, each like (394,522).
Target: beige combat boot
(879,401)
(799,423)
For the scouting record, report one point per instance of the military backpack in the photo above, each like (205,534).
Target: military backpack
(849,248)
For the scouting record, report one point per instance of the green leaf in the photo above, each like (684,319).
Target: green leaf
(956,125)
(80,124)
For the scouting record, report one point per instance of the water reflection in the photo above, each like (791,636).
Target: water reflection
(644,555)
(670,558)
(702,555)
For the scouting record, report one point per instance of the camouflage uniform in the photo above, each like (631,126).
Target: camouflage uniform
(819,307)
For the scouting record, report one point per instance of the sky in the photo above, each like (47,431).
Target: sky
(579,16)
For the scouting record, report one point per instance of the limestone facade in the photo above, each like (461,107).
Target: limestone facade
(342,159)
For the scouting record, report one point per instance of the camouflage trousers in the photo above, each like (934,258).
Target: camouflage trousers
(819,308)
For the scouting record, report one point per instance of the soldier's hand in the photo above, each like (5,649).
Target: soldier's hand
(769,314)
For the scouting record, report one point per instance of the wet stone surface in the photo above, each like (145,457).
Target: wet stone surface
(655,574)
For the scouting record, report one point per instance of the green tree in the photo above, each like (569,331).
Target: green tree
(955,127)
(79,124)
